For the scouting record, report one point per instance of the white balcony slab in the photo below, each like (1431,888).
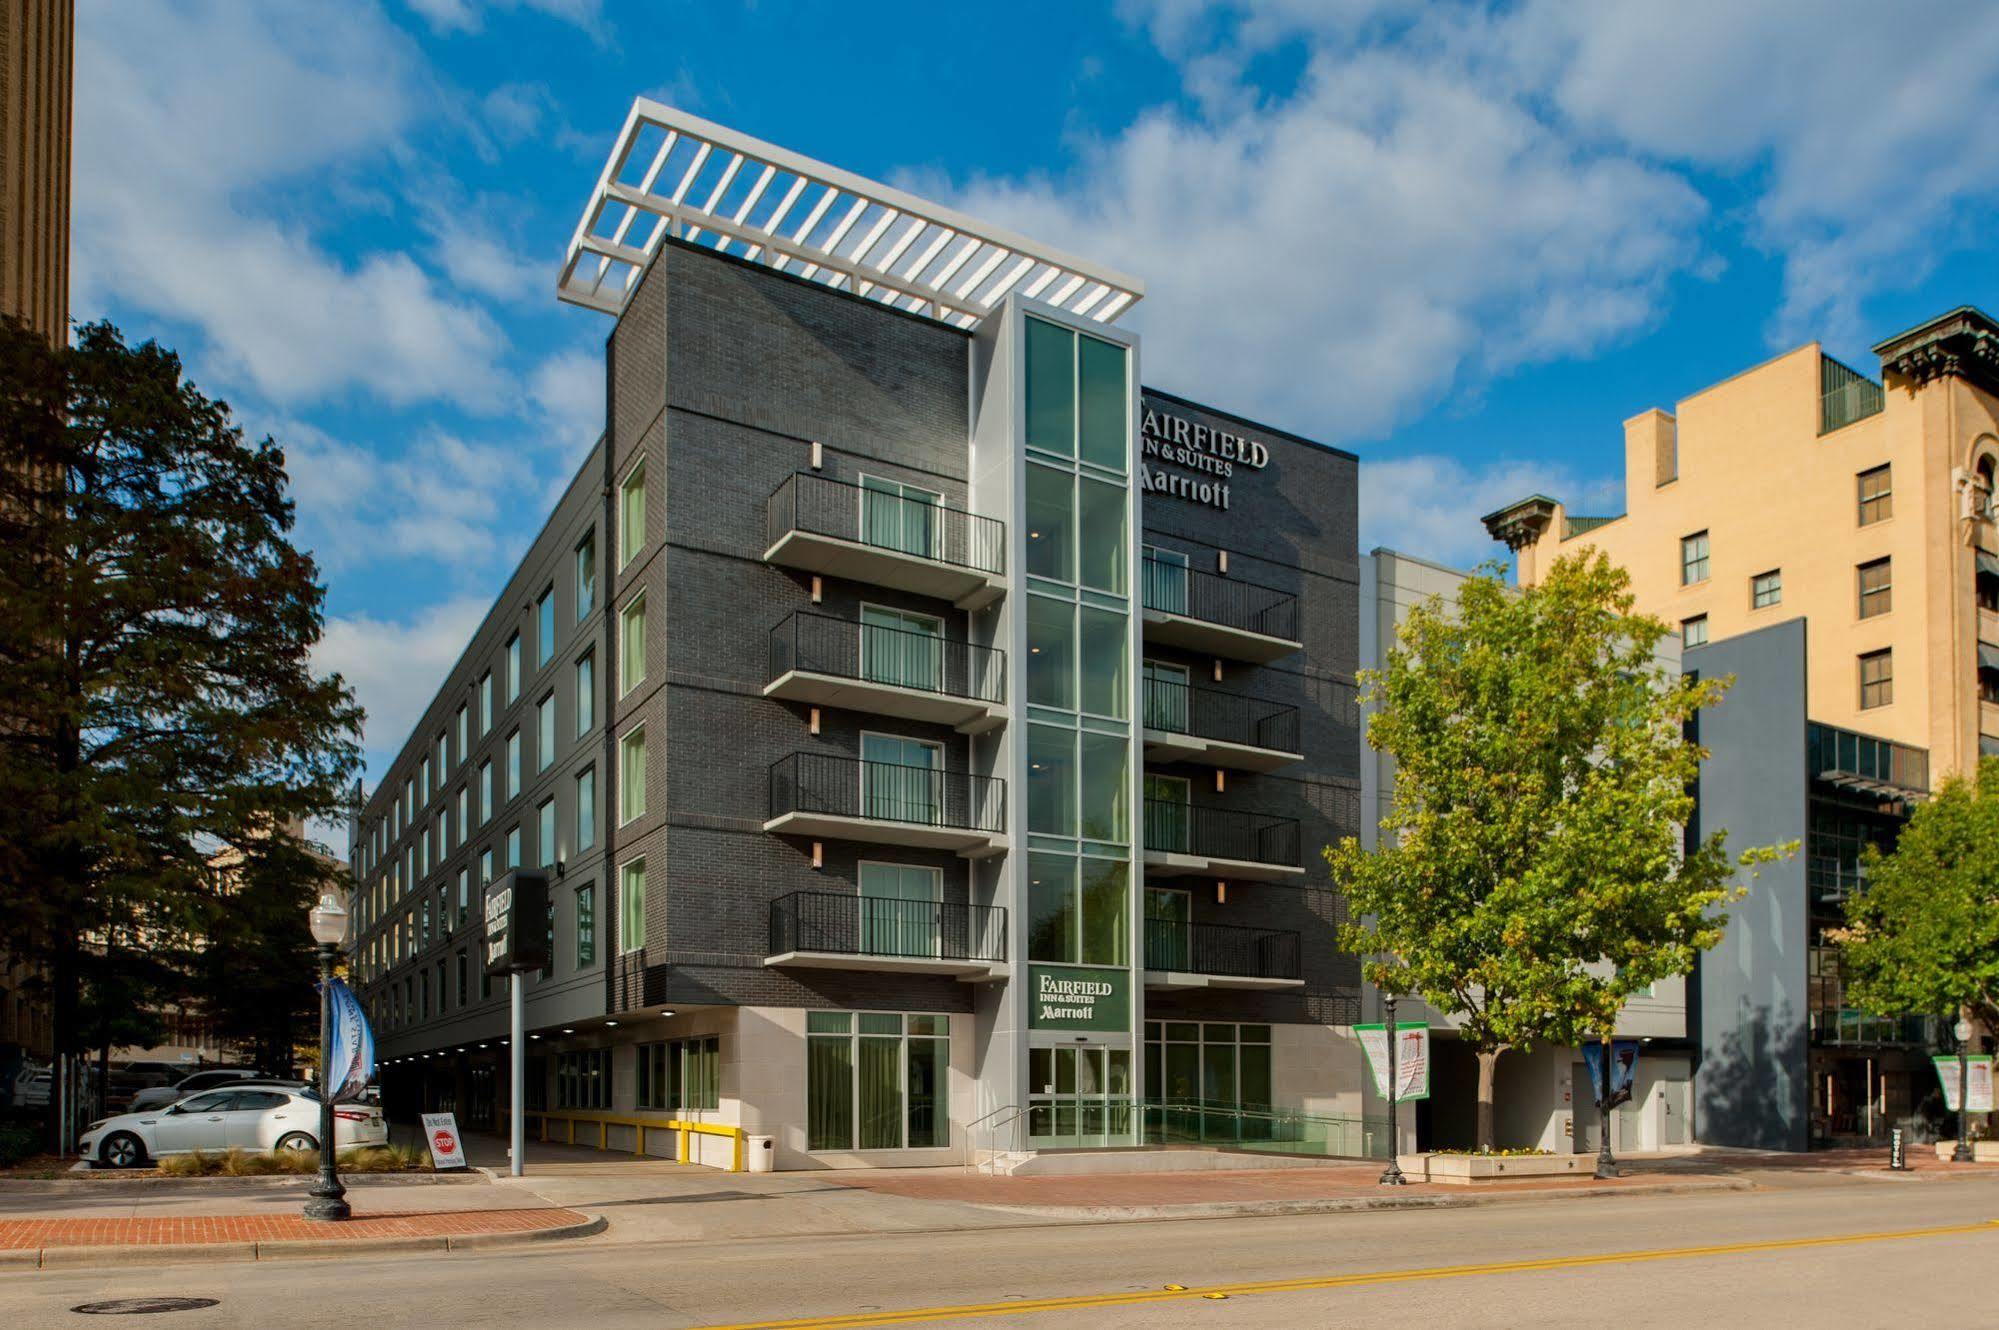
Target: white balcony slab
(968,843)
(1164,863)
(1171,980)
(1172,746)
(1216,639)
(835,556)
(967,714)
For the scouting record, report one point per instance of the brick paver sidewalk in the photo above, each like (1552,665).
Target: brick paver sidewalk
(19,1234)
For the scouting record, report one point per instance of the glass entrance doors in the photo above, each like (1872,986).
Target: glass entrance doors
(1078,1097)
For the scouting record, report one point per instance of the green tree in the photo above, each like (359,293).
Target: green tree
(1532,873)
(156,693)
(1923,935)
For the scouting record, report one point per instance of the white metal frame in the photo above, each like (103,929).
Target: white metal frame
(674,174)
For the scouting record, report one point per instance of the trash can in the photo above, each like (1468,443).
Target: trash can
(763,1154)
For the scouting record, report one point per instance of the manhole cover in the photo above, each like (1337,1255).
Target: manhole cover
(142,1306)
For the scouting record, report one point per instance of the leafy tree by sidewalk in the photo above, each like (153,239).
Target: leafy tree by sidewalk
(156,693)
(1531,874)
(1922,936)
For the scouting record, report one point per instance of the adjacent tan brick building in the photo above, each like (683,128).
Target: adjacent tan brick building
(37,52)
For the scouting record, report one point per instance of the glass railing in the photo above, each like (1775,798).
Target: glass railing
(1263,1129)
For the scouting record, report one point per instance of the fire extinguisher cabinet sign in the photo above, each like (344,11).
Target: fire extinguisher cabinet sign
(447,1148)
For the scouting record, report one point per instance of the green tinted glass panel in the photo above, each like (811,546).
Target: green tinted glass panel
(1051,781)
(1054,924)
(1100,521)
(1254,1069)
(939,1025)
(1051,524)
(829,1092)
(1105,799)
(1104,404)
(1104,663)
(1051,653)
(929,1109)
(1051,388)
(881,1022)
(828,1022)
(1105,893)
(879,1073)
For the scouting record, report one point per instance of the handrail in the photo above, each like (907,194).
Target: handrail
(1174,827)
(849,925)
(1016,1114)
(886,520)
(841,786)
(1209,713)
(1232,602)
(876,653)
(639,1126)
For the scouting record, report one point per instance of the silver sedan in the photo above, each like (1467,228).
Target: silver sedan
(259,1118)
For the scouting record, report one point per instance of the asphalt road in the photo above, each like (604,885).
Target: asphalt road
(1821,1252)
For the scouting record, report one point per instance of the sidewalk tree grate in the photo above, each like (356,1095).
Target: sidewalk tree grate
(143,1306)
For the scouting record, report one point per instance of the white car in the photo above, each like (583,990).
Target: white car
(262,1118)
(156,1097)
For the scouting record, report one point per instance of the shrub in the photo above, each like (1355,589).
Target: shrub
(258,1163)
(17,1143)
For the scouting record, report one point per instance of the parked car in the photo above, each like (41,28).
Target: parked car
(159,1096)
(247,1116)
(32,1087)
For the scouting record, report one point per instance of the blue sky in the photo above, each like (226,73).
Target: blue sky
(1463,240)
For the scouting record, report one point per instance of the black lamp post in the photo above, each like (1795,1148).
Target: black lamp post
(1392,1175)
(1961,1152)
(329,928)
(1606,1165)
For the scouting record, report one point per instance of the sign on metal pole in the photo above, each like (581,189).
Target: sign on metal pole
(1412,1058)
(516,940)
(447,1148)
(1977,1081)
(1623,1070)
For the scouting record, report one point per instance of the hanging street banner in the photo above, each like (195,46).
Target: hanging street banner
(1623,1070)
(1412,1058)
(350,1062)
(447,1147)
(1075,997)
(1977,1081)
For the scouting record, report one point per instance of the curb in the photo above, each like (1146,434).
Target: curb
(1348,1204)
(67,1258)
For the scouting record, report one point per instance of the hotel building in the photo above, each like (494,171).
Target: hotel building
(928,731)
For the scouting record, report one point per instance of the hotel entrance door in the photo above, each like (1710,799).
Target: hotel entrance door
(1078,1097)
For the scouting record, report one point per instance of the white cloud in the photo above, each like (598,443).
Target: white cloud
(1336,260)
(568,389)
(1429,506)
(211,138)
(396,666)
(449,16)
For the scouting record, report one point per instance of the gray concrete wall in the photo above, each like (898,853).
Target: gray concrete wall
(1748,1002)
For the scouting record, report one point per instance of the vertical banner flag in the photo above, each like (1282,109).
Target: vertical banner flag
(1623,1070)
(1412,1058)
(1977,1081)
(350,1063)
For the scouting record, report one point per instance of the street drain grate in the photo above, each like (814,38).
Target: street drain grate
(142,1306)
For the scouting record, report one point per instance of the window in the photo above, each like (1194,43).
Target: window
(583,1079)
(1194,1061)
(544,627)
(485,792)
(586,694)
(1877,679)
(443,761)
(632,515)
(1877,590)
(1693,558)
(485,704)
(544,832)
(513,764)
(423,775)
(586,576)
(876,1080)
(1766,589)
(586,809)
(902,648)
(513,667)
(443,834)
(632,775)
(898,908)
(513,847)
(544,738)
(899,516)
(586,927)
(464,893)
(464,814)
(632,640)
(464,735)
(681,1074)
(632,906)
(1078,397)
(1693,632)
(1877,495)
(485,867)
(1076,909)
(463,970)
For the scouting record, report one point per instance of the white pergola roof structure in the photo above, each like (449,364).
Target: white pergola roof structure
(676,174)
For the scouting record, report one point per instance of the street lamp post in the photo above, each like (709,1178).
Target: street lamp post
(1392,1175)
(1961,1152)
(329,927)
(1606,1165)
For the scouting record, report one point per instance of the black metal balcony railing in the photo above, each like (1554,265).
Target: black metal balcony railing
(1845,395)
(878,926)
(1221,949)
(1181,708)
(1174,588)
(823,506)
(1172,827)
(886,792)
(900,657)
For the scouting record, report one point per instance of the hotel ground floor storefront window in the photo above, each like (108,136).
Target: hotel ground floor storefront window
(876,1080)
(1207,1080)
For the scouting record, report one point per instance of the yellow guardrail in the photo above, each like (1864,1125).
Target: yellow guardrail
(639,1127)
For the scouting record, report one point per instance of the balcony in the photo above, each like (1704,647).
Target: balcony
(885,538)
(1188,724)
(827,930)
(1193,840)
(1186,955)
(1220,616)
(887,671)
(883,803)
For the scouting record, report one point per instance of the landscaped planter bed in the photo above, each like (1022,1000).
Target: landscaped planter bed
(1469,1170)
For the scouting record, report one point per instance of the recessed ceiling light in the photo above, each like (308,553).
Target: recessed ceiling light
(610,1022)
(569,1032)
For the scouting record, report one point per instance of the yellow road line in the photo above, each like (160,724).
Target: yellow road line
(1177,1293)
